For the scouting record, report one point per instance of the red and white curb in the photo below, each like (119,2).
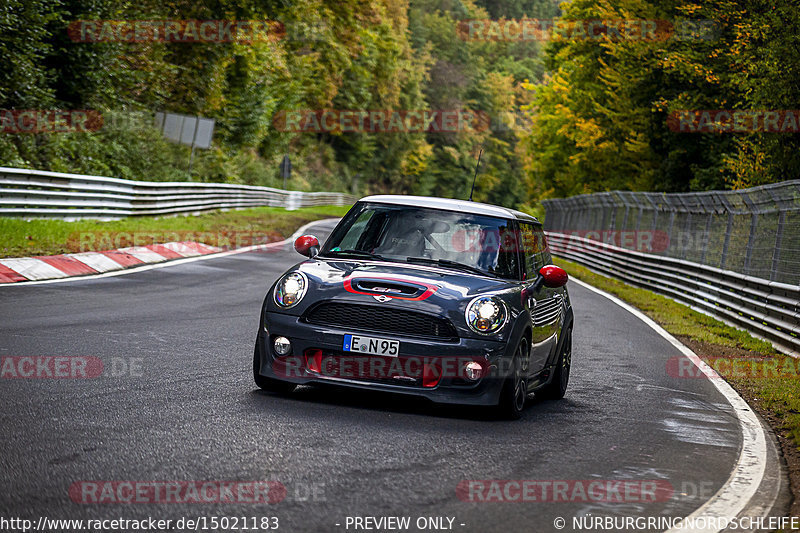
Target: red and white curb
(93,265)
(88,263)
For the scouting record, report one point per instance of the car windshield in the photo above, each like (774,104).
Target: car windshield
(461,241)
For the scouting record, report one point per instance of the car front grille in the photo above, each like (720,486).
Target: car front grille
(381,320)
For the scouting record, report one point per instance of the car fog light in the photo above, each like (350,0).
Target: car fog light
(473,371)
(282,346)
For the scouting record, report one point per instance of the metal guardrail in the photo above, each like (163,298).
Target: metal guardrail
(40,194)
(769,309)
(751,231)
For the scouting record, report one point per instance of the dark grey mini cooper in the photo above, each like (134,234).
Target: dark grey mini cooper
(450,300)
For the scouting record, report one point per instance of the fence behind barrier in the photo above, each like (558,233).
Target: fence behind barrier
(731,254)
(751,231)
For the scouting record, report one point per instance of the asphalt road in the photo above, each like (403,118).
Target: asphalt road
(189,411)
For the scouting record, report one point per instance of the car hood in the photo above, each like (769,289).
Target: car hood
(423,288)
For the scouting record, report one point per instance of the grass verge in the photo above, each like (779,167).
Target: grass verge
(226,229)
(767,379)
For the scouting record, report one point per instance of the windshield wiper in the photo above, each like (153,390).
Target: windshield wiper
(450,264)
(353,253)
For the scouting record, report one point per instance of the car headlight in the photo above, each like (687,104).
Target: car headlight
(486,315)
(291,289)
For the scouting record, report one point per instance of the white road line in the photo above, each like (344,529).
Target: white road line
(142,268)
(32,268)
(734,496)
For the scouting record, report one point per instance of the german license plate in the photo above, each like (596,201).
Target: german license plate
(371,345)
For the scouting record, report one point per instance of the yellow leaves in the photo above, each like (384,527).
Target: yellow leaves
(690,9)
(501,91)
(452,152)
(748,164)
(660,105)
(416,161)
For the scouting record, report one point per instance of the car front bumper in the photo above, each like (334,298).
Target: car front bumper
(445,358)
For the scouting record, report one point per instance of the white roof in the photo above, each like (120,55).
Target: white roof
(449,204)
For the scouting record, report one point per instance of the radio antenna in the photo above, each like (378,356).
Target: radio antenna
(476,174)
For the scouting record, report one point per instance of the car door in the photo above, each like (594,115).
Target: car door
(543,304)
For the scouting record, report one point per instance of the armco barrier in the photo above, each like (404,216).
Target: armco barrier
(769,309)
(751,231)
(36,194)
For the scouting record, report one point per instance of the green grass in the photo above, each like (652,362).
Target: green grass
(752,366)
(228,229)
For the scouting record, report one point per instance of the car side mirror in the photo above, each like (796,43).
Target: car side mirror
(308,245)
(553,276)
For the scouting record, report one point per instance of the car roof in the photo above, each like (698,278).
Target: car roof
(449,204)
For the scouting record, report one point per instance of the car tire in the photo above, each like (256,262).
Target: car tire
(557,387)
(265,383)
(515,388)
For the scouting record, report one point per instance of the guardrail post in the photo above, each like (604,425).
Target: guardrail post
(582,217)
(782,205)
(687,227)
(571,215)
(625,216)
(672,212)
(605,222)
(561,215)
(706,238)
(752,237)
(707,230)
(560,219)
(565,216)
(776,253)
(728,229)
(750,240)
(293,200)
(656,211)
(612,225)
(588,209)
(639,214)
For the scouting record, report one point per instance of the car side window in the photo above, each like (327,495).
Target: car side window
(350,240)
(534,247)
(541,248)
